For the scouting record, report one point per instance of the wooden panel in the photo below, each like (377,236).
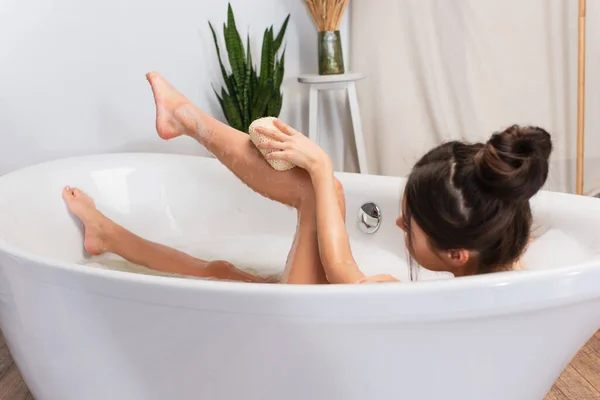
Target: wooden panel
(575,387)
(587,363)
(5,360)
(12,386)
(556,394)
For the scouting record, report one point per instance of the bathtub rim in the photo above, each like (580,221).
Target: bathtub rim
(463,284)
(489,280)
(110,283)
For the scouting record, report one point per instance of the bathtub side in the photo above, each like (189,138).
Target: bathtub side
(79,333)
(87,337)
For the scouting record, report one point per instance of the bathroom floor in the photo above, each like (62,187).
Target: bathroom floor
(579,381)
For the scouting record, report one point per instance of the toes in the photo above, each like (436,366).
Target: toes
(153,77)
(67,192)
(72,193)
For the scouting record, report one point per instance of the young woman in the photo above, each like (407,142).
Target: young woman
(465,206)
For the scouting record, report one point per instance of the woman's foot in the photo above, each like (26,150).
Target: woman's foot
(95,223)
(175,115)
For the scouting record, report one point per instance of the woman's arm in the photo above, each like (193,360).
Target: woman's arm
(334,245)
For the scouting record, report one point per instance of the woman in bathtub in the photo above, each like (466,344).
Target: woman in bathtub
(465,206)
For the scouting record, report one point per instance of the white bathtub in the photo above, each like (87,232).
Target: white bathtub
(84,333)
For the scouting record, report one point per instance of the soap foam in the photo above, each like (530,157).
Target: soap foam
(555,249)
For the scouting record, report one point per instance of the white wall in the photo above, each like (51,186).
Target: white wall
(72,72)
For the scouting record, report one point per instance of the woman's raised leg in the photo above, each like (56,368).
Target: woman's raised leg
(103,235)
(176,116)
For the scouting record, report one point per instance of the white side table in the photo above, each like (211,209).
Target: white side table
(336,82)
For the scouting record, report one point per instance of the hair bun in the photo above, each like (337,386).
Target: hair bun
(513,165)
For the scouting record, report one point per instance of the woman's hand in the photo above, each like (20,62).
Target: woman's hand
(291,145)
(378,279)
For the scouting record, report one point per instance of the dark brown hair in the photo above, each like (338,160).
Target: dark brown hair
(476,196)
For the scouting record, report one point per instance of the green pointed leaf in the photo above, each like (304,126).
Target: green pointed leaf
(218,97)
(235,49)
(279,71)
(259,108)
(232,112)
(221,104)
(266,64)
(233,91)
(248,54)
(214,35)
(227,78)
(228,81)
(248,94)
(253,85)
(272,55)
(246,90)
(252,73)
(274,106)
(235,88)
(281,34)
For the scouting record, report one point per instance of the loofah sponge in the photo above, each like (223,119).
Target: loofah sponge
(256,138)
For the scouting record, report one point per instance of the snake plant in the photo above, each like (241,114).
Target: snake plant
(248,95)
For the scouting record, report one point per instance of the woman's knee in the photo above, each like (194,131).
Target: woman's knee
(227,271)
(307,194)
(219,268)
(341,197)
(220,264)
(339,188)
(302,192)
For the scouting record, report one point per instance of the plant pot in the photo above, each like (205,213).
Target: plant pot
(331,59)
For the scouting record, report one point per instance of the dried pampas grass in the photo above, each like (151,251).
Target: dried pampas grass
(328,14)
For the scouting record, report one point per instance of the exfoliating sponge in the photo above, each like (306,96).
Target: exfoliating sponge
(256,138)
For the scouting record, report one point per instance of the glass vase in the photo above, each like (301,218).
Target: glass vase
(331,59)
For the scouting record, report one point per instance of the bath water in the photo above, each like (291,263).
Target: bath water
(266,255)
(555,249)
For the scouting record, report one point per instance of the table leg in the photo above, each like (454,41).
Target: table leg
(357,126)
(313,117)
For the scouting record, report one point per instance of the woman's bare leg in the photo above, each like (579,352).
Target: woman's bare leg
(103,235)
(303,264)
(176,116)
(304,260)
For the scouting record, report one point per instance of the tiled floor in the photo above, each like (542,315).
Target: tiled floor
(580,381)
